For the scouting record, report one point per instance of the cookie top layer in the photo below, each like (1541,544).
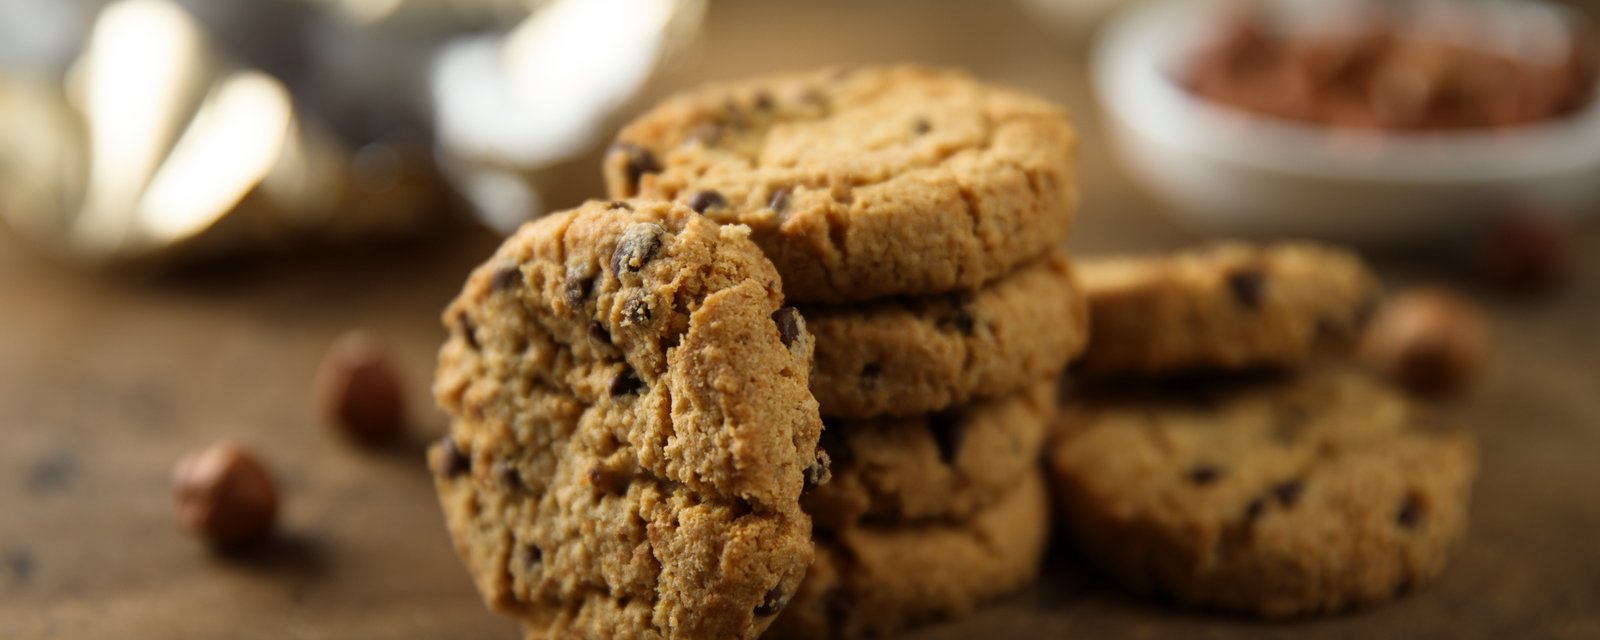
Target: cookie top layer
(877,580)
(1280,498)
(942,467)
(632,428)
(912,356)
(1224,307)
(864,183)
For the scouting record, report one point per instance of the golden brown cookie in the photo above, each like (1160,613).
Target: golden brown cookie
(632,430)
(1224,307)
(1278,497)
(911,356)
(864,183)
(943,466)
(877,580)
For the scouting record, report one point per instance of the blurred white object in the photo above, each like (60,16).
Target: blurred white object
(506,106)
(1232,172)
(1072,17)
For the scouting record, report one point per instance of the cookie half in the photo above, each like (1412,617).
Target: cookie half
(1282,498)
(864,183)
(911,356)
(631,427)
(877,580)
(1224,307)
(945,466)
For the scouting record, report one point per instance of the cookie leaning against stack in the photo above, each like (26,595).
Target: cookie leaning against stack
(1218,451)
(915,216)
(631,428)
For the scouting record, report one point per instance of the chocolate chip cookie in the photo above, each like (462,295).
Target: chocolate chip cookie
(864,183)
(632,429)
(1281,497)
(876,580)
(946,465)
(1224,307)
(910,356)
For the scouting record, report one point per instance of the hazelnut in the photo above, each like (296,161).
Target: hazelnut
(358,391)
(1527,253)
(223,494)
(1429,341)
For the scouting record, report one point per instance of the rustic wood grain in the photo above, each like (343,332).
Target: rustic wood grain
(104,382)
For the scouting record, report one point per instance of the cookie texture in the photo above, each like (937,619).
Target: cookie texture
(1282,498)
(631,427)
(864,183)
(910,356)
(944,466)
(877,580)
(1224,307)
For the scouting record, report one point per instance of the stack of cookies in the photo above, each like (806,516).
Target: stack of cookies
(1220,450)
(914,216)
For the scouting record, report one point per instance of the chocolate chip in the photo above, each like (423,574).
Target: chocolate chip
(505,278)
(1405,587)
(619,204)
(638,163)
(625,383)
(577,285)
(636,311)
(607,479)
(509,476)
(702,200)
(921,126)
(599,333)
(772,603)
(778,202)
(948,428)
(21,563)
(1246,285)
(469,332)
(872,373)
(636,247)
(1204,474)
(763,100)
(1288,492)
(450,461)
(535,555)
(788,321)
(817,473)
(1410,514)
(960,321)
(1255,510)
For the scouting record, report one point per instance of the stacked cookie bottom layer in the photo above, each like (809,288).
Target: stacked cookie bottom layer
(937,410)
(1220,448)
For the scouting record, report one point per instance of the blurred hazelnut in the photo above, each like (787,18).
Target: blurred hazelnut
(1527,253)
(358,391)
(223,494)
(1429,341)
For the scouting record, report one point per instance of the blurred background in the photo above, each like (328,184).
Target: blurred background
(198,196)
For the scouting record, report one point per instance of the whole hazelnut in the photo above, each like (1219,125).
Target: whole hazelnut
(1527,252)
(1429,341)
(224,495)
(358,391)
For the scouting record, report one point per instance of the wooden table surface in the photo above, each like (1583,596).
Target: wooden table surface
(105,382)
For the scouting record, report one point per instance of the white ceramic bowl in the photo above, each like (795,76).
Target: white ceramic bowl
(1227,171)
